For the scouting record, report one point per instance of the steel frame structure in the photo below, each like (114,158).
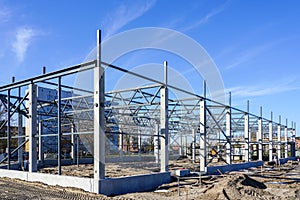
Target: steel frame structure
(214,129)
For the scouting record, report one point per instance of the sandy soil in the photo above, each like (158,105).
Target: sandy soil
(268,182)
(257,183)
(121,168)
(111,169)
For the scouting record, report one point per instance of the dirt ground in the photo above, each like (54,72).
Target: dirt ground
(268,182)
(120,169)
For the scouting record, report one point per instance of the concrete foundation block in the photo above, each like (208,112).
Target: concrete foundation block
(137,183)
(214,170)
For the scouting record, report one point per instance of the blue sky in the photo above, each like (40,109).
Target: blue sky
(255,44)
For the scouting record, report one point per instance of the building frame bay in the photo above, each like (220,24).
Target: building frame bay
(50,115)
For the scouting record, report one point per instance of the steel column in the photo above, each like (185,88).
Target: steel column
(293,143)
(99,118)
(59,125)
(259,136)
(73,142)
(156,144)
(77,150)
(202,150)
(228,132)
(246,132)
(271,138)
(194,146)
(32,127)
(8,129)
(121,138)
(20,131)
(286,140)
(279,139)
(41,153)
(181,143)
(164,123)
(185,145)
(139,142)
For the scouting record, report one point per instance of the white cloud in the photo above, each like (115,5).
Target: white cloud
(23,39)
(123,15)
(263,90)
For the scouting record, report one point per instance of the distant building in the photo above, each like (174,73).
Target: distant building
(297,140)
(297,145)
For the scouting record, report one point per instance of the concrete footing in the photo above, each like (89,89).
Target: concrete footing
(86,184)
(129,184)
(285,160)
(109,186)
(216,170)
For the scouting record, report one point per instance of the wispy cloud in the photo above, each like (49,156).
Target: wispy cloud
(262,90)
(251,53)
(123,15)
(206,18)
(23,39)
(5,14)
(248,55)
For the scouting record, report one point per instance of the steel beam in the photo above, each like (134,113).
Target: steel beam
(32,127)
(164,123)
(51,75)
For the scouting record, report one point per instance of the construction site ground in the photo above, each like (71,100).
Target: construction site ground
(267,182)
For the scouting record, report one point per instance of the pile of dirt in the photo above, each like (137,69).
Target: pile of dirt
(239,186)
